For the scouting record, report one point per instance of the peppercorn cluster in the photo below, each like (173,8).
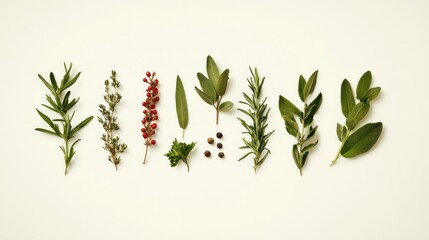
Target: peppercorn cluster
(150,112)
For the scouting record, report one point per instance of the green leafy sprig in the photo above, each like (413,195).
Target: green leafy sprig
(109,121)
(179,152)
(61,104)
(354,143)
(181,106)
(213,87)
(306,131)
(258,113)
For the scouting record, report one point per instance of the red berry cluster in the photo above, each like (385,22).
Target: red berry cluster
(150,112)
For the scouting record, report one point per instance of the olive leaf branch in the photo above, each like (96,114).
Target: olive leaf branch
(289,112)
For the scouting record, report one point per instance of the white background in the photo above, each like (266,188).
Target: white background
(380,195)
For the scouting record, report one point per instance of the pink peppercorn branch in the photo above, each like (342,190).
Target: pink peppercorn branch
(150,112)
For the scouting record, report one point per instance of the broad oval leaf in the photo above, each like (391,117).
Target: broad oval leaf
(301,85)
(359,111)
(287,108)
(296,157)
(371,94)
(363,85)
(362,140)
(310,146)
(204,96)
(291,125)
(222,82)
(181,104)
(347,98)
(226,106)
(310,85)
(212,70)
(207,87)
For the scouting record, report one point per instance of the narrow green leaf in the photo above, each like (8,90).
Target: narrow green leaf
(287,108)
(295,155)
(301,85)
(46,83)
(226,106)
(70,82)
(310,85)
(291,126)
(53,81)
(46,119)
(181,104)
(371,94)
(312,132)
(47,131)
(313,107)
(309,146)
(207,87)
(212,70)
(344,133)
(363,85)
(362,140)
(340,132)
(347,97)
(204,96)
(80,126)
(222,82)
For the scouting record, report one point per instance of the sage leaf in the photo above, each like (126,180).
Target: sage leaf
(310,85)
(291,126)
(347,98)
(226,106)
(371,94)
(359,111)
(310,146)
(295,155)
(362,140)
(301,85)
(313,107)
(287,108)
(181,104)
(222,82)
(212,70)
(204,96)
(363,85)
(208,87)
(340,132)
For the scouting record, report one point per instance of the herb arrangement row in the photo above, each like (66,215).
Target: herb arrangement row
(298,122)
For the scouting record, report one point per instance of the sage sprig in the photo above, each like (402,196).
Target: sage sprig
(354,143)
(306,131)
(61,104)
(109,121)
(213,87)
(179,152)
(258,113)
(181,105)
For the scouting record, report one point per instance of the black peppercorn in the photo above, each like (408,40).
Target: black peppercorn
(207,153)
(221,154)
(219,135)
(219,145)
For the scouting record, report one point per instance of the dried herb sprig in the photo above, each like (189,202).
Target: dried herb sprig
(213,87)
(258,113)
(179,152)
(181,105)
(61,104)
(289,112)
(109,121)
(150,112)
(354,143)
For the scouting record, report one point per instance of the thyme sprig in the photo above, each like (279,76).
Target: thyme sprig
(109,121)
(258,113)
(60,103)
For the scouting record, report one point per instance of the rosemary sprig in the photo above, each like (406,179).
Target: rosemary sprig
(109,121)
(61,104)
(289,111)
(258,113)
